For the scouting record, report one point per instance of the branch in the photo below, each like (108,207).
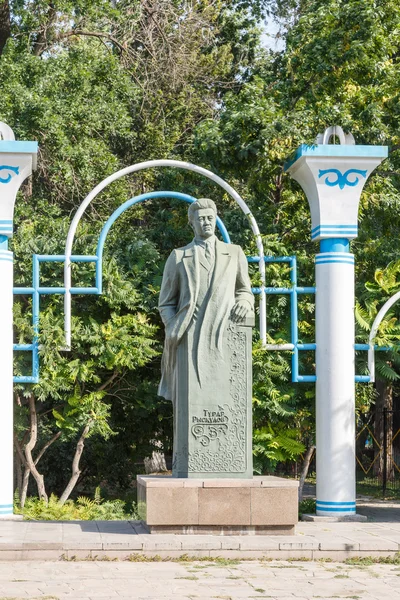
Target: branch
(47,445)
(75,465)
(107,383)
(19,450)
(28,451)
(97,34)
(41,40)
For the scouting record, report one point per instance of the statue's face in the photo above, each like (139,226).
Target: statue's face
(204,222)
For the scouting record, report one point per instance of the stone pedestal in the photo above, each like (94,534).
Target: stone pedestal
(264,505)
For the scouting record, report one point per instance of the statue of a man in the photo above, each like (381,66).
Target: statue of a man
(205,287)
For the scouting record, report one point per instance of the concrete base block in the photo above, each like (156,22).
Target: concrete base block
(260,505)
(343,518)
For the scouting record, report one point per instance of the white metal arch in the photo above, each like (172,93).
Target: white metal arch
(374,329)
(134,169)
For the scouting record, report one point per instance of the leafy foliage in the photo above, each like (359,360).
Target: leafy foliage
(84,509)
(102,85)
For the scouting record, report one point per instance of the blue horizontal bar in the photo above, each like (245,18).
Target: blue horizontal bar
(51,290)
(50,257)
(306,346)
(273,291)
(23,347)
(362,379)
(61,258)
(57,290)
(83,258)
(23,290)
(271,259)
(26,379)
(85,290)
(306,378)
(376,347)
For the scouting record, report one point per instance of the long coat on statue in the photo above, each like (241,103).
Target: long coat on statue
(190,301)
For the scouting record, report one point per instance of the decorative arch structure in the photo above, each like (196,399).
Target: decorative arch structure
(150,165)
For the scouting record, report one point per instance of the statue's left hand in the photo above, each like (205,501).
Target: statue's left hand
(240,311)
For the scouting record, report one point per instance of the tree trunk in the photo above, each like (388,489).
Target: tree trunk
(18,473)
(304,470)
(384,401)
(5,25)
(41,41)
(28,451)
(24,487)
(75,466)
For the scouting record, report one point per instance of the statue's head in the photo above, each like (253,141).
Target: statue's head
(202,216)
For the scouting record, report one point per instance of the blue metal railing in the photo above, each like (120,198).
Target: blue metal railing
(293,292)
(36,290)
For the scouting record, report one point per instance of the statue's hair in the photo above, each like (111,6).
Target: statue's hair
(201,203)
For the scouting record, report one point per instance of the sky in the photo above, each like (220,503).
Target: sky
(271,28)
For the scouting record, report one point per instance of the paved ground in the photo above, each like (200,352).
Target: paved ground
(220,574)
(197,581)
(27,540)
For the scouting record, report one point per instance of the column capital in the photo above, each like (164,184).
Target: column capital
(17,160)
(333,177)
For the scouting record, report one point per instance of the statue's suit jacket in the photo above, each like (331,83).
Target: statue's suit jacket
(179,294)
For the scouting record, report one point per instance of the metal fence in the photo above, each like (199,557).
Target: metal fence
(378,452)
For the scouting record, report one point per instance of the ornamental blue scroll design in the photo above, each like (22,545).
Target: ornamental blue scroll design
(342,179)
(7,179)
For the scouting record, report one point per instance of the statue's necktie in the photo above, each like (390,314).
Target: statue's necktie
(209,254)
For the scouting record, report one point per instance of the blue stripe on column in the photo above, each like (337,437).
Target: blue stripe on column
(329,509)
(335,503)
(344,255)
(6,506)
(344,507)
(334,231)
(336,257)
(341,228)
(334,260)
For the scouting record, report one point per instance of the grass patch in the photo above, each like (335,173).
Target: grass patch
(212,561)
(373,560)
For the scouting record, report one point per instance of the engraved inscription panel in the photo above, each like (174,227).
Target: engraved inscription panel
(218,435)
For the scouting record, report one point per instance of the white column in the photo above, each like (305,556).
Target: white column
(335,388)
(17,159)
(6,383)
